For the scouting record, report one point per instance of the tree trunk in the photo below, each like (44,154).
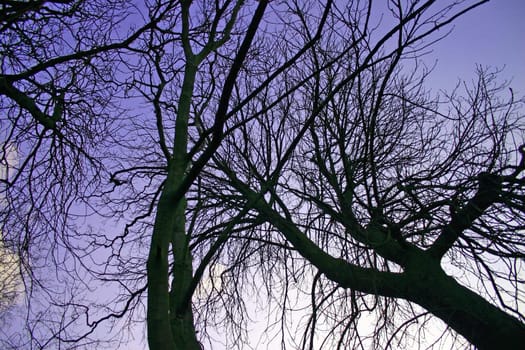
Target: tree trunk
(481,323)
(159,330)
(167,328)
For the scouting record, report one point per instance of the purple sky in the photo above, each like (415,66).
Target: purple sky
(491,35)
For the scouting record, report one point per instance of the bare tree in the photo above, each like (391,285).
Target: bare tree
(57,88)
(279,141)
(392,198)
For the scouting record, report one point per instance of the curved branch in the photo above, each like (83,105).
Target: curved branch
(347,275)
(489,189)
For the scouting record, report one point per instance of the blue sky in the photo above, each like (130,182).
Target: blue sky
(491,35)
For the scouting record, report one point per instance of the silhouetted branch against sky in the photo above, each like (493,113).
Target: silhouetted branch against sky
(254,174)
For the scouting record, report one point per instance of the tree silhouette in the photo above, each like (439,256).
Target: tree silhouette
(392,199)
(285,149)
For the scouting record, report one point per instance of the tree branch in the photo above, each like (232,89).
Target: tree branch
(347,275)
(489,189)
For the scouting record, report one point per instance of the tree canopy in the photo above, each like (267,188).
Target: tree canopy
(191,165)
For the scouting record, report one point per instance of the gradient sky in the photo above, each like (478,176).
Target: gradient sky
(491,35)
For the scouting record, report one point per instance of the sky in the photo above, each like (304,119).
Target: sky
(491,35)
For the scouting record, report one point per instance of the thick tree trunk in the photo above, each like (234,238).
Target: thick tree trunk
(481,323)
(423,282)
(169,329)
(181,314)
(184,335)
(159,330)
